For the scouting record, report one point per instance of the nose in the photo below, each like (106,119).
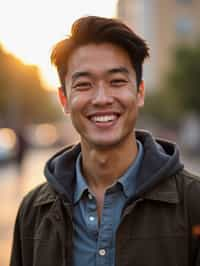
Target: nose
(102,96)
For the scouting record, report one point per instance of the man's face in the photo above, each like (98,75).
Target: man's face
(102,96)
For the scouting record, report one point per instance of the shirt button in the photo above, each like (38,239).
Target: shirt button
(91,218)
(90,196)
(102,252)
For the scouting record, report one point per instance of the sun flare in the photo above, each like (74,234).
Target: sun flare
(29,29)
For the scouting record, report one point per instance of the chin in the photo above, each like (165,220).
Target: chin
(104,143)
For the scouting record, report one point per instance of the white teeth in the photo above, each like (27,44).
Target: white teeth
(105,118)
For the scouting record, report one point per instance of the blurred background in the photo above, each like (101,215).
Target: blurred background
(32,124)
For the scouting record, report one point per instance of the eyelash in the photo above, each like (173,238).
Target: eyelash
(83,85)
(87,85)
(118,81)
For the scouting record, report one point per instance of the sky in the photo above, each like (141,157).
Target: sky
(29,28)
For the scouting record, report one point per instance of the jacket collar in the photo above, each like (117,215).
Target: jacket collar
(165,192)
(46,195)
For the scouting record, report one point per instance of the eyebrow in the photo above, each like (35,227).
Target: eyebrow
(79,74)
(118,70)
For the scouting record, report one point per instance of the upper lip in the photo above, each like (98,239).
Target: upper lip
(103,113)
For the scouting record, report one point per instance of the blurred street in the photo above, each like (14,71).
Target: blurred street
(14,188)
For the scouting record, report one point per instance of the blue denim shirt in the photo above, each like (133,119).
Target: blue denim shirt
(93,243)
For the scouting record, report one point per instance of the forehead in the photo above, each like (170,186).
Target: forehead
(96,58)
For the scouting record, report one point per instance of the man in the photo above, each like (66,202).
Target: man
(120,197)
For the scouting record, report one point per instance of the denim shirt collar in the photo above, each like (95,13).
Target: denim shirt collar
(127,181)
(81,184)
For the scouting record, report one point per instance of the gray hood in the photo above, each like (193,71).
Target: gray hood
(160,161)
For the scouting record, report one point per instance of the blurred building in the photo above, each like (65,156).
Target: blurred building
(163,23)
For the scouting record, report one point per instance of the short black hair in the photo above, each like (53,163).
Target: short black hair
(93,29)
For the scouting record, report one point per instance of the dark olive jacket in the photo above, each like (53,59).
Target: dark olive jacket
(159,226)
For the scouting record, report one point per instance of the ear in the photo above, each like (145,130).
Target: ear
(141,94)
(63,100)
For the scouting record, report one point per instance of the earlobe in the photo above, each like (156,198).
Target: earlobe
(141,94)
(63,99)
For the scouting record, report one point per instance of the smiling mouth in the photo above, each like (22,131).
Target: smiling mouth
(103,118)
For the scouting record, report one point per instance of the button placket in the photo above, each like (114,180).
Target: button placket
(92,221)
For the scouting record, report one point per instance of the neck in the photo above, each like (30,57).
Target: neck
(103,167)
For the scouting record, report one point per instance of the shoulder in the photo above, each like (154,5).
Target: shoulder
(189,184)
(190,180)
(41,195)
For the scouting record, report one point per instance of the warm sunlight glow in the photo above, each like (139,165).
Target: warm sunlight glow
(29,29)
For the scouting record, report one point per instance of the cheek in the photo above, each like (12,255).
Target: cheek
(128,97)
(75,101)
(78,101)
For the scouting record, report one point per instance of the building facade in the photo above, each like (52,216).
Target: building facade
(163,23)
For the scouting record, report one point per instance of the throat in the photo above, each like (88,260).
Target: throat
(102,167)
(101,173)
(104,171)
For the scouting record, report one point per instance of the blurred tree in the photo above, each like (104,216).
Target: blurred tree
(22,96)
(184,77)
(179,93)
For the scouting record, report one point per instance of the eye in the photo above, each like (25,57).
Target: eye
(118,82)
(82,85)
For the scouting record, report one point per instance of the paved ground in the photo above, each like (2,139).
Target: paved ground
(13,189)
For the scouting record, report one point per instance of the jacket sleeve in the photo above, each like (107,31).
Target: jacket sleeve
(194,221)
(16,253)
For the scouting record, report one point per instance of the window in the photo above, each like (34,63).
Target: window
(184,1)
(184,26)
